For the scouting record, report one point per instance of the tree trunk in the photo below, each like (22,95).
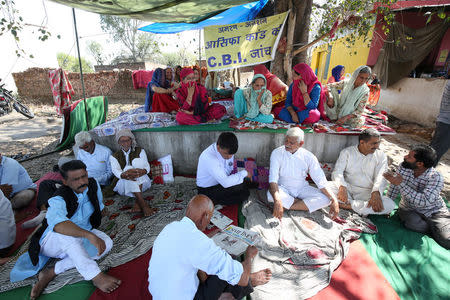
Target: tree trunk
(302,10)
(277,64)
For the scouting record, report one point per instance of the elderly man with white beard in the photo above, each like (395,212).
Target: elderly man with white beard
(289,167)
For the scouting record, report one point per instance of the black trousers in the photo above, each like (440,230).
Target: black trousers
(213,287)
(437,226)
(46,190)
(226,196)
(441,139)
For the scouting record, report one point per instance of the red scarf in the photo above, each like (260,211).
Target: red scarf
(200,94)
(310,80)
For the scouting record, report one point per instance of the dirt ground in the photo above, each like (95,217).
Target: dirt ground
(22,138)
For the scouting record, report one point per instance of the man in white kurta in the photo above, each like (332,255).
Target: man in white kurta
(15,183)
(94,156)
(130,167)
(358,176)
(7,226)
(289,167)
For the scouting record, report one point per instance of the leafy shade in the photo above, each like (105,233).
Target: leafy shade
(70,63)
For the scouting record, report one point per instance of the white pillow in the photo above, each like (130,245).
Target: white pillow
(167,168)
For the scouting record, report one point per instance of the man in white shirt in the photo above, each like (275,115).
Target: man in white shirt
(95,157)
(183,255)
(288,188)
(7,228)
(214,178)
(15,183)
(358,176)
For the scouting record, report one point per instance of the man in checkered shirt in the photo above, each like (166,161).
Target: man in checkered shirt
(421,208)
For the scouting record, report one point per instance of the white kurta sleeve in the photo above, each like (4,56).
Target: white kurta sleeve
(213,260)
(380,183)
(316,172)
(275,163)
(143,157)
(341,164)
(115,167)
(218,173)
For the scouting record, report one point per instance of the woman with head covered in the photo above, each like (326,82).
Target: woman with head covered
(303,97)
(193,100)
(348,106)
(255,102)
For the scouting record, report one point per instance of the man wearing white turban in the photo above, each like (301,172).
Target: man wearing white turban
(130,167)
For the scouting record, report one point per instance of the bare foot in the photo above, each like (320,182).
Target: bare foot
(44,277)
(260,277)
(4,260)
(136,208)
(106,283)
(148,211)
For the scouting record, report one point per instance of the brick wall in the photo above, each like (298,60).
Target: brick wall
(33,86)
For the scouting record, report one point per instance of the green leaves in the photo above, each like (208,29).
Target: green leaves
(12,22)
(71,63)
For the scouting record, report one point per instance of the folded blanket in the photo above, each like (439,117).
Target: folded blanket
(303,250)
(135,119)
(141,78)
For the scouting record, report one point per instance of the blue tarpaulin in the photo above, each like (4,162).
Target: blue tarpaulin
(237,14)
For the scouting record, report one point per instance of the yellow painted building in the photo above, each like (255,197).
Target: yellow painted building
(326,56)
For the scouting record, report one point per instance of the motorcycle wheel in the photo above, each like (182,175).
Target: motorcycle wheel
(20,108)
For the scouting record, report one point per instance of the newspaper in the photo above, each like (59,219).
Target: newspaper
(248,236)
(220,220)
(235,240)
(232,245)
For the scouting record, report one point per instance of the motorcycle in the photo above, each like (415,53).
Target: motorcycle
(8,102)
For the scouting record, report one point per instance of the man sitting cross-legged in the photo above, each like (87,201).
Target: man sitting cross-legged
(186,264)
(288,188)
(358,176)
(130,166)
(69,233)
(214,178)
(421,208)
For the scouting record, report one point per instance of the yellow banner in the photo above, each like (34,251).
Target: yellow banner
(243,44)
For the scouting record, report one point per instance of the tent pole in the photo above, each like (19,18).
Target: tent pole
(200,51)
(81,68)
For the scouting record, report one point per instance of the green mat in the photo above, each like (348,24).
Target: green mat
(413,263)
(223,126)
(77,291)
(206,127)
(97,108)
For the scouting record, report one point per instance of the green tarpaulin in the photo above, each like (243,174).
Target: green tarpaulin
(413,263)
(156,11)
(97,109)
